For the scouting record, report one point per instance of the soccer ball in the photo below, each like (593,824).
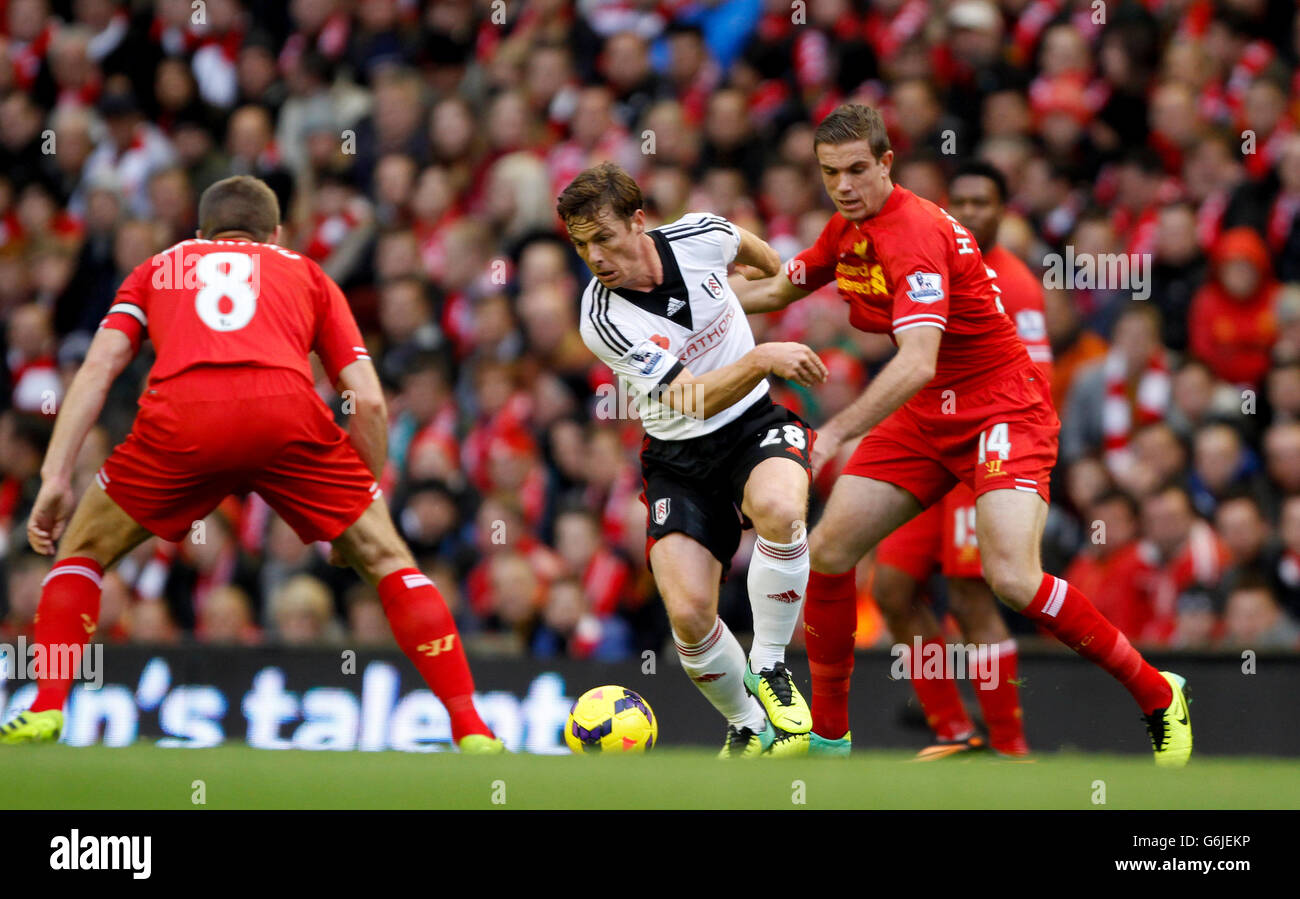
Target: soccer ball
(611,719)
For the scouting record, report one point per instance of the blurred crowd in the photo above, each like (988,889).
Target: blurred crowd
(417,147)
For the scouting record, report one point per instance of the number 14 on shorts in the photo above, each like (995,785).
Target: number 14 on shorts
(994,442)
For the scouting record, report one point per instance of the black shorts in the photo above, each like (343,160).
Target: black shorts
(696,487)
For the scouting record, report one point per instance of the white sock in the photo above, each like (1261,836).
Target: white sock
(778,581)
(717,666)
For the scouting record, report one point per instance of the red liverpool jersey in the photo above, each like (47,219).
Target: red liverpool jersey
(213,305)
(913,265)
(1022,300)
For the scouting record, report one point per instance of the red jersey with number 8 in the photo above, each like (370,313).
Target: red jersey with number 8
(220,303)
(230,405)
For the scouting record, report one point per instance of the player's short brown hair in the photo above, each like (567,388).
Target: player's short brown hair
(240,203)
(853,121)
(601,186)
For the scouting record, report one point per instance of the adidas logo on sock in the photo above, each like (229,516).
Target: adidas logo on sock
(786,596)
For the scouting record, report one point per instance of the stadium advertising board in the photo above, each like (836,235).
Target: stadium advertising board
(197,697)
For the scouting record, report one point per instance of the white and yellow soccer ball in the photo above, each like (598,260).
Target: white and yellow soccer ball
(611,719)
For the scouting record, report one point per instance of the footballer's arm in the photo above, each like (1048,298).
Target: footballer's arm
(755,257)
(110,353)
(769,294)
(368,423)
(912,367)
(703,396)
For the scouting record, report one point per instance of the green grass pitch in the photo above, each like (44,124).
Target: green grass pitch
(236,777)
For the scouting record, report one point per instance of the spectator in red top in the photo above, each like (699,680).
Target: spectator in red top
(499,529)
(339,227)
(1110,567)
(1188,558)
(1175,123)
(1233,326)
(604,575)
(32,370)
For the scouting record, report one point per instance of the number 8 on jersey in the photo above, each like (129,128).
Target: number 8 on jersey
(227,296)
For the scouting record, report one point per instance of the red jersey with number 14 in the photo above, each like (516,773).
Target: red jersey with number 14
(913,265)
(213,305)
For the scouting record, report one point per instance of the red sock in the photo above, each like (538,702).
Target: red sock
(427,634)
(1075,621)
(999,699)
(67,616)
(830,619)
(940,701)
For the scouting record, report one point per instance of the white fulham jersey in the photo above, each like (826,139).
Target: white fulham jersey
(692,320)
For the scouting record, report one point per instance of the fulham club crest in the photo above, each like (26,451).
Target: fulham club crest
(661,510)
(714,286)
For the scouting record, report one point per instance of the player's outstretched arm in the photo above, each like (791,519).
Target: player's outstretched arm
(755,257)
(703,396)
(766,295)
(363,397)
(912,367)
(110,352)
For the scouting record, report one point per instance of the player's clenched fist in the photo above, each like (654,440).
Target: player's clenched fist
(794,362)
(53,506)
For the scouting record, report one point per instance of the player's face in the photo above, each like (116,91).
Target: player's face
(610,246)
(973,200)
(857,183)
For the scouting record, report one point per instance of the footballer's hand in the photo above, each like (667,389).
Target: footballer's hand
(751,272)
(50,513)
(825,448)
(795,362)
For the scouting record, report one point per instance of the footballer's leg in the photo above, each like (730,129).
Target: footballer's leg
(687,574)
(910,619)
(98,534)
(905,560)
(1010,524)
(859,513)
(973,606)
(776,501)
(317,483)
(420,620)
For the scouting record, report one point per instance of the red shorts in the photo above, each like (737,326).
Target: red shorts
(184,456)
(942,535)
(1000,434)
